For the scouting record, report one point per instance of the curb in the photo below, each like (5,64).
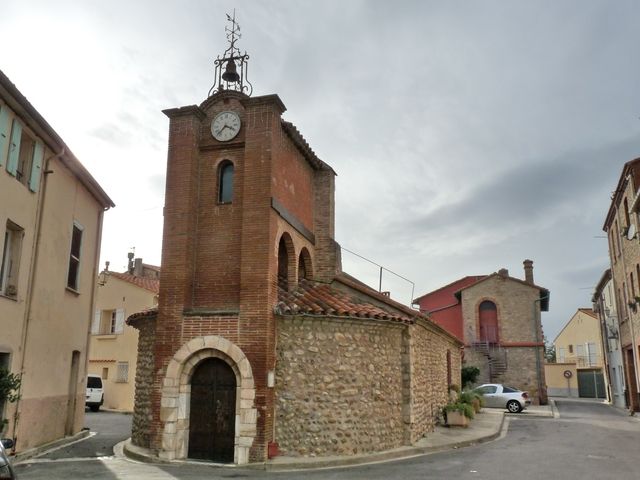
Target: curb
(45,448)
(144,455)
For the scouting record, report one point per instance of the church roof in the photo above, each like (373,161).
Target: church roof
(322,299)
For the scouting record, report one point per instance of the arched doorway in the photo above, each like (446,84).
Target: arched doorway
(212,411)
(488,322)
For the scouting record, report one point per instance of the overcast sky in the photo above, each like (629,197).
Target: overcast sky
(467,135)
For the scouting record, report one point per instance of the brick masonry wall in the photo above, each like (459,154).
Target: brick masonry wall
(293,179)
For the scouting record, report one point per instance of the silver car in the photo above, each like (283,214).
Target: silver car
(497,395)
(6,470)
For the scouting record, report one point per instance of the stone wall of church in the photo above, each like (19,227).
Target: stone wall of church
(339,386)
(141,429)
(431,374)
(347,386)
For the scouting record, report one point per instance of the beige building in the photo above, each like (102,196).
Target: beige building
(579,350)
(621,226)
(51,212)
(114,345)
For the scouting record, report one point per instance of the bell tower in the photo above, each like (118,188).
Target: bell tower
(249,211)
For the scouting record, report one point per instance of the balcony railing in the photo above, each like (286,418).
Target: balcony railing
(582,361)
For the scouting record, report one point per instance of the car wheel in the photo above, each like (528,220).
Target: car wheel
(514,406)
(94,408)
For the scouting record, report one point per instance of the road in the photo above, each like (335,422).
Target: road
(589,441)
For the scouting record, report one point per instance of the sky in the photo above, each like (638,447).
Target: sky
(467,135)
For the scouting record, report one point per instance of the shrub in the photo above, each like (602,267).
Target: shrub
(464,408)
(469,376)
(9,389)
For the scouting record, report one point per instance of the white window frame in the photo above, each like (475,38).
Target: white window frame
(73,258)
(10,261)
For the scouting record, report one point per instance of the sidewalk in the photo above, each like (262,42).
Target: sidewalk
(488,425)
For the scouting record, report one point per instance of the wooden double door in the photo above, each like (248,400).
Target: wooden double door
(212,412)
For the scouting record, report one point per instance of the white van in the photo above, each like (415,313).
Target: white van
(95,392)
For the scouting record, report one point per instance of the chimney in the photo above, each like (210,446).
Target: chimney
(137,268)
(130,265)
(528,271)
(503,272)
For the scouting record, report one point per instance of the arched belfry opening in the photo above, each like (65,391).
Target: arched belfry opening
(488,322)
(286,262)
(213,411)
(305,267)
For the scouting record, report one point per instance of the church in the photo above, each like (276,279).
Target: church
(261,345)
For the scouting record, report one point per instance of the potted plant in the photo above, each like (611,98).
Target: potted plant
(458,414)
(472,398)
(9,391)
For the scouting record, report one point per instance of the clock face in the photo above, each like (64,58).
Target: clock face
(225,126)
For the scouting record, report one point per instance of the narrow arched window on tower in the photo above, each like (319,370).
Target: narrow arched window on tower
(225,182)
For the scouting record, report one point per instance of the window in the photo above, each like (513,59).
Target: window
(626,213)
(105,375)
(448,367)
(25,155)
(592,350)
(570,348)
(488,389)
(108,322)
(616,239)
(122,374)
(225,182)
(10,259)
(561,355)
(74,258)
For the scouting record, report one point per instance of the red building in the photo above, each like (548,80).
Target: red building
(444,307)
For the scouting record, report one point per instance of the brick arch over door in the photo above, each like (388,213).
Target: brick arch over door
(176,396)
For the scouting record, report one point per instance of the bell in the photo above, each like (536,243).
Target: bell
(230,72)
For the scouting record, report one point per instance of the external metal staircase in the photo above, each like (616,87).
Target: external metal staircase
(496,359)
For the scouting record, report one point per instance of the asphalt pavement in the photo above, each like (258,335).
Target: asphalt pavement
(586,440)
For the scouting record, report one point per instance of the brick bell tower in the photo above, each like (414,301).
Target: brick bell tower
(248,204)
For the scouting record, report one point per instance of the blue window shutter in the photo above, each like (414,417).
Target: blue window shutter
(14,147)
(4,133)
(36,166)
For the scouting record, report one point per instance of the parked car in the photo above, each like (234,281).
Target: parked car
(6,470)
(95,392)
(497,395)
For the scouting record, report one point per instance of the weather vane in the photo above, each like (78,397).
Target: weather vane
(231,68)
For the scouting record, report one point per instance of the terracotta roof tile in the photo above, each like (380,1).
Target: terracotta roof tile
(312,298)
(151,284)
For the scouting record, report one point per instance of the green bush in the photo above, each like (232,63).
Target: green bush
(469,376)
(9,389)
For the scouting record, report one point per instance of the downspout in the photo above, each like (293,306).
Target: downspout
(536,337)
(94,290)
(35,251)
